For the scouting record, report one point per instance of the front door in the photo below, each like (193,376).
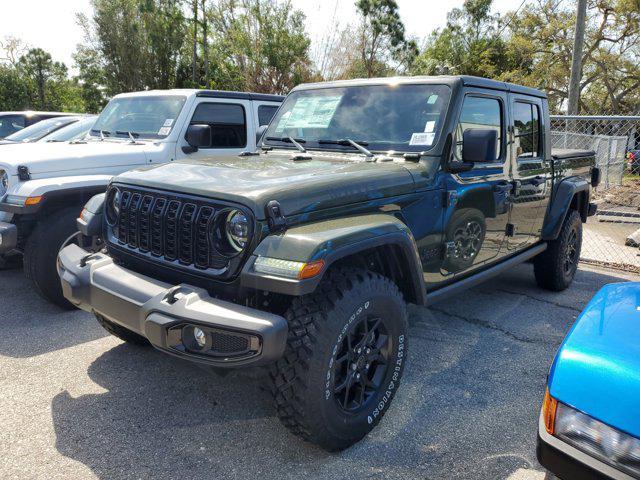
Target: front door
(531,172)
(478,200)
(229,121)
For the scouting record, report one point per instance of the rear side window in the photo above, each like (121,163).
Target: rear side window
(227,121)
(265,114)
(480,112)
(526,123)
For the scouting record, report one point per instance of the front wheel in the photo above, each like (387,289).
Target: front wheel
(41,253)
(344,359)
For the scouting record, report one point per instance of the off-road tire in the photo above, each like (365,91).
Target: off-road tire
(460,220)
(550,267)
(41,253)
(121,332)
(303,381)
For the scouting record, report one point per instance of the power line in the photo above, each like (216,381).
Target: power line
(512,17)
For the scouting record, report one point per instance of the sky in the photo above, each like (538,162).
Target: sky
(51,25)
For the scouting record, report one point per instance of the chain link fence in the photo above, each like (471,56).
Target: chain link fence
(612,237)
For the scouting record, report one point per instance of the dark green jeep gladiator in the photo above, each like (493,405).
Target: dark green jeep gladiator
(364,195)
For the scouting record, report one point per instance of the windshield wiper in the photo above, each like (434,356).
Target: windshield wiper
(348,142)
(295,141)
(102,133)
(132,135)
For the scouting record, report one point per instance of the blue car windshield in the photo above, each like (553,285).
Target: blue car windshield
(398,117)
(41,129)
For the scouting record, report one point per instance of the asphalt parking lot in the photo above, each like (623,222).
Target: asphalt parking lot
(77,403)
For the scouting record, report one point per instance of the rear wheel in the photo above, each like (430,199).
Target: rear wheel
(556,266)
(121,332)
(344,358)
(41,253)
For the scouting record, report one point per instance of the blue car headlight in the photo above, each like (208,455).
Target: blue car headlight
(607,444)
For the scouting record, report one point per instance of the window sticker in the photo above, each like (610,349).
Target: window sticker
(168,122)
(422,139)
(432,99)
(310,112)
(164,131)
(430,126)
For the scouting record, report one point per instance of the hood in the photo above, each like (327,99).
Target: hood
(298,185)
(47,158)
(597,369)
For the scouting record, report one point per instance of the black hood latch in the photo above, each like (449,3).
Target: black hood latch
(275,218)
(23,173)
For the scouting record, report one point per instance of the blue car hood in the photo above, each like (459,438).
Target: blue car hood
(597,369)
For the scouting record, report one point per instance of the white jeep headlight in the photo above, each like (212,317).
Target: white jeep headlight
(607,444)
(4,183)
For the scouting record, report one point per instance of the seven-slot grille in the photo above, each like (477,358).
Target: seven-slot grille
(171,228)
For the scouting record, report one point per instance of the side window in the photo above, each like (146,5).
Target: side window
(526,134)
(265,114)
(227,121)
(10,124)
(480,112)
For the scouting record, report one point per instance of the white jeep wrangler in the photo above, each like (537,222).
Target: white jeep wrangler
(44,186)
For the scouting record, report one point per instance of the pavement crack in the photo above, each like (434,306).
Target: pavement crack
(488,325)
(538,299)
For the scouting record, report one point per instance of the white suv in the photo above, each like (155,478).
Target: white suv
(43,186)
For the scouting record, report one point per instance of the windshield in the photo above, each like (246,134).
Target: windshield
(142,116)
(40,129)
(381,117)
(71,132)
(10,124)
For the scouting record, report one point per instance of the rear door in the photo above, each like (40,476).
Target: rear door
(475,228)
(231,122)
(531,172)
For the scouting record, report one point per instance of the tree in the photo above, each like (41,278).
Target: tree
(382,38)
(257,45)
(541,46)
(91,78)
(14,91)
(139,42)
(469,44)
(41,72)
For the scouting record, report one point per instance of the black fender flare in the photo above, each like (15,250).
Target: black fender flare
(561,200)
(331,241)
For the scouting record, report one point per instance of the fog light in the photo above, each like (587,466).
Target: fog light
(199,336)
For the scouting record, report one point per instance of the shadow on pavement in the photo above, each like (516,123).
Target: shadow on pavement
(467,408)
(31,326)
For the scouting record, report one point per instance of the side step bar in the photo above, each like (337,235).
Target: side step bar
(478,278)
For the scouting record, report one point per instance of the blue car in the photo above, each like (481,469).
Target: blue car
(590,421)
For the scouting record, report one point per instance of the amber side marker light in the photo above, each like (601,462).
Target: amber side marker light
(33,200)
(549,408)
(311,269)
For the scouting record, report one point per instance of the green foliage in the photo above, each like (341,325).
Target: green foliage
(382,40)
(14,93)
(257,45)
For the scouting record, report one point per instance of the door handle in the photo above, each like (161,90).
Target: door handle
(537,181)
(503,187)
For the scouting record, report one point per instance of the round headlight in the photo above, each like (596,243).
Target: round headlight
(4,182)
(113,205)
(237,229)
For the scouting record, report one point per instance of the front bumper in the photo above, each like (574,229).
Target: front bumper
(8,237)
(166,314)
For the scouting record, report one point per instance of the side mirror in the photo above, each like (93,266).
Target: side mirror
(197,136)
(479,145)
(259,132)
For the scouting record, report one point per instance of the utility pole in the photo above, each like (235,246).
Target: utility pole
(194,74)
(576,63)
